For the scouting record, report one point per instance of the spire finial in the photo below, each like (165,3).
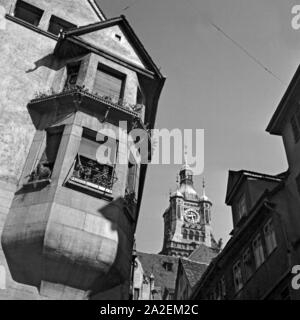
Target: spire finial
(185,154)
(203,186)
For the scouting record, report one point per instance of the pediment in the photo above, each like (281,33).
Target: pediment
(115,41)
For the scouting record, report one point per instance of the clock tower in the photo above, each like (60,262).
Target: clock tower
(187,221)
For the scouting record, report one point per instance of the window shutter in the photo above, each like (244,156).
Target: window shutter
(107,84)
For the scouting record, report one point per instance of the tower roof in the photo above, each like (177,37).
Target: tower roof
(204,198)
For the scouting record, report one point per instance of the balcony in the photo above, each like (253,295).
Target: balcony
(81,97)
(92,177)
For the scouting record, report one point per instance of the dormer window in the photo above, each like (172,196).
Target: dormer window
(57,24)
(242,207)
(168,266)
(28,13)
(295,124)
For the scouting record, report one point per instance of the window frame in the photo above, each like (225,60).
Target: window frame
(28,8)
(242,206)
(113,73)
(238,276)
(261,255)
(247,253)
(270,245)
(59,21)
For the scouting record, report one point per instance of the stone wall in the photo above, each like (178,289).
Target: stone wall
(26,68)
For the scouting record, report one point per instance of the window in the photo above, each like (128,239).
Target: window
(72,74)
(47,158)
(57,24)
(237,276)
(258,251)
(270,237)
(118,37)
(136,294)
(191,235)
(248,264)
(109,84)
(220,291)
(28,13)
(197,236)
(295,124)
(94,166)
(168,266)
(242,208)
(298,182)
(184,234)
(223,287)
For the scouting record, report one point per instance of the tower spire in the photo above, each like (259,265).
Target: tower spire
(203,187)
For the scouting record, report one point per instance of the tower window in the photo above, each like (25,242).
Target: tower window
(191,235)
(270,237)
(109,84)
(28,13)
(168,266)
(184,234)
(258,251)
(197,236)
(57,24)
(295,124)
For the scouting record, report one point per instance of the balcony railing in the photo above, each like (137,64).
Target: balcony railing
(120,104)
(91,174)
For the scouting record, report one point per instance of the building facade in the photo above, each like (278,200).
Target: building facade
(258,260)
(68,210)
(188,246)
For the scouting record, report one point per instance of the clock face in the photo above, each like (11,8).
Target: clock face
(191,216)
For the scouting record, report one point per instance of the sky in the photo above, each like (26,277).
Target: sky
(215,85)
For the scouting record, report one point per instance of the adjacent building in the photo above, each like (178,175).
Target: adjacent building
(188,246)
(265,245)
(67,219)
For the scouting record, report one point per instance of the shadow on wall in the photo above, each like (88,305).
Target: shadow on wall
(120,271)
(49,62)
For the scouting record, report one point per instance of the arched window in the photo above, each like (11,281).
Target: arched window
(184,234)
(197,236)
(191,236)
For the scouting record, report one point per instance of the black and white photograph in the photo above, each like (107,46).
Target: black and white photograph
(149,153)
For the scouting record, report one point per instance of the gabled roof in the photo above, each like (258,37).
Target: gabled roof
(126,28)
(193,270)
(154,263)
(262,204)
(236,178)
(203,254)
(284,107)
